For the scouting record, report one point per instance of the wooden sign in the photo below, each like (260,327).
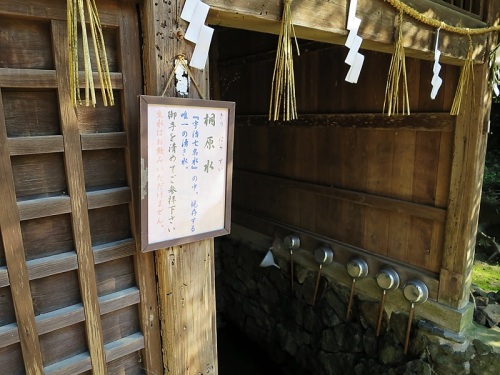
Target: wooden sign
(186,152)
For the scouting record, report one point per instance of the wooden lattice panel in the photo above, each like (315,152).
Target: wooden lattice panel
(71,282)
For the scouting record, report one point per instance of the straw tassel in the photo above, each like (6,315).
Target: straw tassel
(75,13)
(397,67)
(283,84)
(464,81)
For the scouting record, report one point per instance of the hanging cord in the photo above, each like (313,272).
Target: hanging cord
(181,60)
(398,66)
(75,13)
(466,77)
(283,83)
(402,7)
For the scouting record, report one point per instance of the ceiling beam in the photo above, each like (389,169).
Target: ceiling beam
(325,21)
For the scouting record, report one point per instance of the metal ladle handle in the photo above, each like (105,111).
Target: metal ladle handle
(387,279)
(351,295)
(316,286)
(408,328)
(292,242)
(416,292)
(380,313)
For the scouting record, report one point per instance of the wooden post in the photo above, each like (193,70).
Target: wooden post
(466,183)
(186,277)
(144,262)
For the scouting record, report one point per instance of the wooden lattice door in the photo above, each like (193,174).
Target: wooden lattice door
(75,296)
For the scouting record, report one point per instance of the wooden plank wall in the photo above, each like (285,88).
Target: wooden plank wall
(186,273)
(343,170)
(75,297)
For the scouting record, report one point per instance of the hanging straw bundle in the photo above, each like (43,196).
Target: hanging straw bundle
(464,81)
(76,12)
(397,67)
(283,85)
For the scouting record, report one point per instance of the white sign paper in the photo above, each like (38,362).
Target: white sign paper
(187,150)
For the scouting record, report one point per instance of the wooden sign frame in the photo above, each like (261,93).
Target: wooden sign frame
(186,151)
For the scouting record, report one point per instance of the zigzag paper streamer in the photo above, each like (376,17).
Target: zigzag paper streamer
(354,59)
(495,85)
(195,12)
(436,80)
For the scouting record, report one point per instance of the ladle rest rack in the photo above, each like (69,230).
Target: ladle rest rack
(441,315)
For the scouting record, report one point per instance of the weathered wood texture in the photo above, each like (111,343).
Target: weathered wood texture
(466,181)
(326,21)
(75,295)
(403,188)
(342,170)
(186,285)
(186,277)
(15,259)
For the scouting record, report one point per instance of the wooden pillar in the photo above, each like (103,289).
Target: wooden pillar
(466,183)
(186,277)
(144,262)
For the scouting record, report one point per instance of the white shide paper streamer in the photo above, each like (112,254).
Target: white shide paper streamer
(436,79)
(354,59)
(195,12)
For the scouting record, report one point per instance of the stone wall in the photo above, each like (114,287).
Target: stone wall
(307,339)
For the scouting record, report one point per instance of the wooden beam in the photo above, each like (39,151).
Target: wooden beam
(108,197)
(144,262)
(186,277)
(27,78)
(113,250)
(122,347)
(419,121)
(51,9)
(4,277)
(74,365)
(79,212)
(70,315)
(36,145)
(15,258)
(60,318)
(100,141)
(9,335)
(364,199)
(52,265)
(43,207)
(119,300)
(186,282)
(325,21)
(466,182)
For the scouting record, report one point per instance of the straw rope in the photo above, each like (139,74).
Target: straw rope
(75,14)
(181,60)
(397,67)
(408,10)
(283,83)
(464,81)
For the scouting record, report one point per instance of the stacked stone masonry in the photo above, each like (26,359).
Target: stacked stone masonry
(306,339)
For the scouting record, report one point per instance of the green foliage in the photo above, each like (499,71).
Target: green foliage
(491,177)
(486,276)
